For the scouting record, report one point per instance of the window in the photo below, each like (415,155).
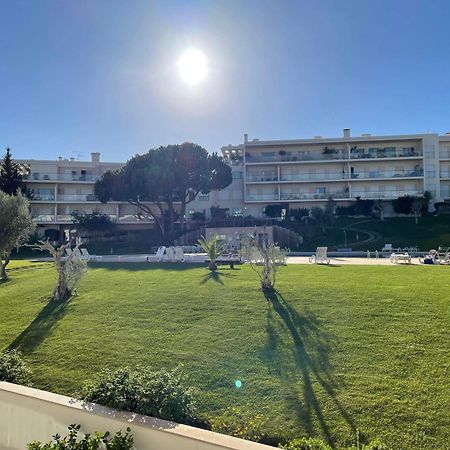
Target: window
(267,154)
(203,197)
(237,175)
(389,152)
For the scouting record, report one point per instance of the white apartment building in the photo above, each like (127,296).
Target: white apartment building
(306,172)
(294,173)
(66,185)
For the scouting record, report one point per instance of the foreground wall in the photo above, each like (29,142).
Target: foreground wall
(28,414)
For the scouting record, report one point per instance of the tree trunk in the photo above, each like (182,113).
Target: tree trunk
(3,264)
(416,218)
(62,291)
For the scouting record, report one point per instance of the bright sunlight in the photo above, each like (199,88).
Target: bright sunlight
(193,66)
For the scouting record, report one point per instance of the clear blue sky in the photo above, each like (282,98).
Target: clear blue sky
(78,76)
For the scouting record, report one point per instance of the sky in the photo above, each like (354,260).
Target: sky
(79,76)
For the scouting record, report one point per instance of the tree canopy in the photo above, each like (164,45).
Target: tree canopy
(158,179)
(12,176)
(16,224)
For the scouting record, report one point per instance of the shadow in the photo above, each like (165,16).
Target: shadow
(310,359)
(40,328)
(139,266)
(216,275)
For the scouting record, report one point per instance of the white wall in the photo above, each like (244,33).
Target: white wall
(28,414)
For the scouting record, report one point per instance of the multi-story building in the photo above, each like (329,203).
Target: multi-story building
(307,172)
(66,185)
(294,173)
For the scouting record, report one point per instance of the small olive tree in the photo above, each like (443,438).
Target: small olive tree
(70,269)
(265,259)
(16,225)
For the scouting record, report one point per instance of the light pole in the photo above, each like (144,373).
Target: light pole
(345,237)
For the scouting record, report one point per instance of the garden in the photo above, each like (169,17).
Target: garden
(345,354)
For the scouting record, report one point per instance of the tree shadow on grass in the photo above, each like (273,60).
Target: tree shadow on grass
(139,266)
(309,365)
(215,275)
(40,328)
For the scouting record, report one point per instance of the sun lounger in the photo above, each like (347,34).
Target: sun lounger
(400,257)
(320,257)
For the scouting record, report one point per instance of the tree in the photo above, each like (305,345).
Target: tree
(70,269)
(16,224)
(403,205)
(329,210)
(12,176)
(155,181)
(273,210)
(213,247)
(318,215)
(265,259)
(419,205)
(92,222)
(378,207)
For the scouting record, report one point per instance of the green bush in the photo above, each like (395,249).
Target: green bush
(89,442)
(13,368)
(241,424)
(306,444)
(159,394)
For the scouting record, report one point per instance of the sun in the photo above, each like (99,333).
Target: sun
(193,66)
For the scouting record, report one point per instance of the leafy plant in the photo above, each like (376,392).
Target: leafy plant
(214,248)
(305,443)
(160,394)
(241,424)
(13,368)
(89,442)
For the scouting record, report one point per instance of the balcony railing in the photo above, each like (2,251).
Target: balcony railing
(388,174)
(335,195)
(37,176)
(261,177)
(43,197)
(335,156)
(444,154)
(77,198)
(445,173)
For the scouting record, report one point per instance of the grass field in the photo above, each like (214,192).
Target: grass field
(338,349)
(429,233)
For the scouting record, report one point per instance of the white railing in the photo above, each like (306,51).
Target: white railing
(38,176)
(313,195)
(386,194)
(28,415)
(262,197)
(77,197)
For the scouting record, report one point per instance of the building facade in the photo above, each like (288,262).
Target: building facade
(293,173)
(307,172)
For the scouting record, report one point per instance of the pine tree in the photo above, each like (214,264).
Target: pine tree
(12,175)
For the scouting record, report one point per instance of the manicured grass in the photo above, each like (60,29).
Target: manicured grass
(429,233)
(338,349)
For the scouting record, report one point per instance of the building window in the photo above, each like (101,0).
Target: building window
(203,197)
(237,175)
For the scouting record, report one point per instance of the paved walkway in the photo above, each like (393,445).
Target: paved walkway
(352,261)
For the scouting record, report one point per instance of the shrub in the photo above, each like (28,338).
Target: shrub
(305,443)
(91,442)
(13,368)
(159,394)
(241,424)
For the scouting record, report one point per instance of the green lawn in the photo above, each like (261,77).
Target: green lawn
(338,349)
(429,233)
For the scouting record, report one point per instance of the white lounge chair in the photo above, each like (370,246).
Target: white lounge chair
(179,254)
(320,257)
(400,257)
(86,255)
(68,251)
(158,257)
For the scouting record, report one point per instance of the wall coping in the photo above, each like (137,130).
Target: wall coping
(133,419)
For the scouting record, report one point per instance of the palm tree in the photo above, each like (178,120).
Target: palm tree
(213,247)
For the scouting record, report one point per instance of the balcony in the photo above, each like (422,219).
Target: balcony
(262,197)
(39,177)
(328,155)
(318,176)
(261,177)
(43,197)
(386,194)
(444,154)
(77,198)
(314,195)
(388,174)
(445,174)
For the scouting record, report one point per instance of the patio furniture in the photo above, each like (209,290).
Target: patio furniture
(400,257)
(443,255)
(158,257)
(320,257)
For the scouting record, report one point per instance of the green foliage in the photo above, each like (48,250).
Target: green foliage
(198,216)
(93,222)
(155,180)
(214,248)
(13,368)
(219,213)
(273,210)
(403,205)
(345,210)
(241,424)
(363,207)
(160,394)
(89,442)
(299,213)
(12,176)
(305,443)
(16,225)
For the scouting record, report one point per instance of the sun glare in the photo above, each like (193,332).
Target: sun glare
(193,66)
